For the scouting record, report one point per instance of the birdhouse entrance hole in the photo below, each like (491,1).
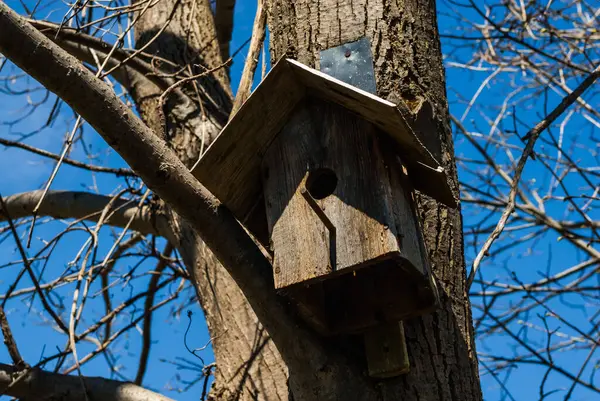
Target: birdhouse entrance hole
(321,183)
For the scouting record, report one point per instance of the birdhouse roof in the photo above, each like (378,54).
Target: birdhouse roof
(230,168)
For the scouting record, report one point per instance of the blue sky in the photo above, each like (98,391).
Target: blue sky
(26,172)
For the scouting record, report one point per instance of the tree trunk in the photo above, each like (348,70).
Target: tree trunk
(249,366)
(408,66)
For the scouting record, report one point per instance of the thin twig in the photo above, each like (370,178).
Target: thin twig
(9,341)
(145,46)
(26,262)
(120,172)
(258,37)
(147,325)
(66,149)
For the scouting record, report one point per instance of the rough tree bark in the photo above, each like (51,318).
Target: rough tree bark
(408,66)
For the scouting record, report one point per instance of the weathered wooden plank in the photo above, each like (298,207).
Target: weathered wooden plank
(403,206)
(378,271)
(299,239)
(432,182)
(363,299)
(309,301)
(230,168)
(425,171)
(361,206)
(387,292)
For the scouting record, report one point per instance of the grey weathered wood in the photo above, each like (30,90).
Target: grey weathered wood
(379,273)
(230,167)
(385,349)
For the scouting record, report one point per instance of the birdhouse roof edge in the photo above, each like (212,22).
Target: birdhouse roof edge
(230,167)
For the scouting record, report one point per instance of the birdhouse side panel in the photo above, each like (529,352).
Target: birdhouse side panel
(411,241)
(301,246)
(230,168)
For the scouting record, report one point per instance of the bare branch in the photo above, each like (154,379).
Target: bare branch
(87,206)
(163,173)
(37,384)
(26,262)
(123,172)
(531,138)
(9,341)
(147,328)
(258,37)
(79,45)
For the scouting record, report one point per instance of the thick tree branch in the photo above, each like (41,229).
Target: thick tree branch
(87,206)
(37,384)
(80,45)
(167,176)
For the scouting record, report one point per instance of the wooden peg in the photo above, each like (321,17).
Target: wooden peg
(385,348)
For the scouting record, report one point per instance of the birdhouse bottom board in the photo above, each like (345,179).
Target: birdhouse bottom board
(343,230)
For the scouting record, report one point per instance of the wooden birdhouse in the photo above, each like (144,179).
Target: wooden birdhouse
(323,174)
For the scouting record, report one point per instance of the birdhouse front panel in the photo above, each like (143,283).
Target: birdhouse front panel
(329,199)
